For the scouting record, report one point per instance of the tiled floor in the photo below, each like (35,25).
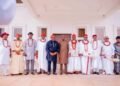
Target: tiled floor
(60,80)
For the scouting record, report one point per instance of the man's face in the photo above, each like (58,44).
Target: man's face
(94,37)
(5,37)
(73,37)
(106,39)
(53,37)
(43,37)
(17,37)
(118,40)
(30,36)
(85,38)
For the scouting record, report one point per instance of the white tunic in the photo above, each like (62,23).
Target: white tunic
(97,60)
(29,48)
(86,58)
(4,53)
(41,48)
(74,61)
(108,65)
(17,60)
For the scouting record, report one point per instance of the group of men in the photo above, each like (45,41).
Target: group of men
(75,57)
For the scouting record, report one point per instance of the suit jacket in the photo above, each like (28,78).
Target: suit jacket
(51,47)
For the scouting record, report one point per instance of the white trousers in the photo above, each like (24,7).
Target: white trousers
(74,64)
(86,65)
(4,70)
(96,64)
(108,66)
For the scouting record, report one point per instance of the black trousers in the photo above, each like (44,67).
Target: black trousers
(117,67)
(54,66)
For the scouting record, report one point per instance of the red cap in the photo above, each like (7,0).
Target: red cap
(43,34)
(4,34)
(73,35)
(94,35)
(18,35)
(85,35)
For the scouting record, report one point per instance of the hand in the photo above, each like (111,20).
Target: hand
(80,54)
(52,54)
(102,54)
(112,56)
(24,54)
(17,52)
(69,54)
(10,55)
(36,55)
(55,53)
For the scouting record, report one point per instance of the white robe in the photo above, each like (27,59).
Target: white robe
(86,58)
(4,57)
(74,61)
(97,60)
(108,65)
(42,61)
(4,53)
(17,61)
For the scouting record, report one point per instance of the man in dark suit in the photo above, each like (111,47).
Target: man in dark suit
(52,49)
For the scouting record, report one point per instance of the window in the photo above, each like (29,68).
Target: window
(17,30)
(81,32)
(118,31)
(19,1)
(44,30)
(1,30)
(100,31)
(39,31)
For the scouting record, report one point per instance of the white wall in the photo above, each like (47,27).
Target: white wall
(111,23)
(25,19)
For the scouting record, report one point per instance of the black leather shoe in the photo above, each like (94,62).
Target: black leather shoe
(39,73)
(26,73)
(48,73)
(54,73)
(33,73)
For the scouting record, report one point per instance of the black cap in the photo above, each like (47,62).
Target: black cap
(118,37)
(30,33)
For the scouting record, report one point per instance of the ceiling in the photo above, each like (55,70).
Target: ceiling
(74,9)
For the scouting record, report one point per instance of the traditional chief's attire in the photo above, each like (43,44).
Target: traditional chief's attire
(41,48)
(4,56)
(117,56)
(63,56)
(17,61)
(63,52)
(108,52)
(97,60)
(86,59)
(52,47)
(74,61)
(29,49)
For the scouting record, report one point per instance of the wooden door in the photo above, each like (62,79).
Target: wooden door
(59,37)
